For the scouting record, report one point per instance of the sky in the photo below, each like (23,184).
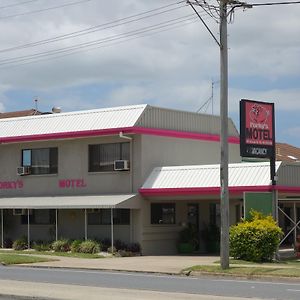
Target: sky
(88,54)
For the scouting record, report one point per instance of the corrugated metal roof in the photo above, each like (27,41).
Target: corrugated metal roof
(74,202)
(201,176)
(90,122)
(157,117)
(117,117)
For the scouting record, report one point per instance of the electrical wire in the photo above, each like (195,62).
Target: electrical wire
(99,41)
(95,28)
(37,60)
(43,9)
(17,4)
(274,3)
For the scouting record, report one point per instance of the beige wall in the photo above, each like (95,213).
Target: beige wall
(167,151)
(72,164)
(163,239)
(148,152)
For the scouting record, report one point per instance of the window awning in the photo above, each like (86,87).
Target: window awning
(131,201)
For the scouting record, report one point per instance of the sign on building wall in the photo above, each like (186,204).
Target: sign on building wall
(257,129)
(261,202)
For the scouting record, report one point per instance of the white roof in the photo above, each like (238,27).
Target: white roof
(98,119)
(74,202)
(110,121)
(200,176)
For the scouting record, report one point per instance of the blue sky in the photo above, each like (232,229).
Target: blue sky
(170,66)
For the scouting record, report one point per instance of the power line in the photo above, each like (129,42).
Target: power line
(43,9)
(120,38)
(274,3)
(101,27)
(17,4)
(95,48)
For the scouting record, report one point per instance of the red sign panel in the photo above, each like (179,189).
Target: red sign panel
(257,131)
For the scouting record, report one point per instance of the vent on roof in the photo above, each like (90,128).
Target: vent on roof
(56,109)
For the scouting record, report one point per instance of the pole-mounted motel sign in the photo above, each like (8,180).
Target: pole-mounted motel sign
(257,139)
(257,129)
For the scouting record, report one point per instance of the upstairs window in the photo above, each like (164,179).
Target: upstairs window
(40,161)
(103,156)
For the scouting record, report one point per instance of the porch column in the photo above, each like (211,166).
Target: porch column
(112,229)
(295,223)
(2,229)
(85,224)
(56,224)
(131,226)
(28,229)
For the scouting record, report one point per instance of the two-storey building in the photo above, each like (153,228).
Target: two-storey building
(100,174)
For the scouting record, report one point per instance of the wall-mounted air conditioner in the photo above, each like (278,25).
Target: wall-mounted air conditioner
(121,165)
(21,171)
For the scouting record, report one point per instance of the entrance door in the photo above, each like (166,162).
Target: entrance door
(193,216)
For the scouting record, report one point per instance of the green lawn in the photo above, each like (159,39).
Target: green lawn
(286,268)
(67,254)
(12,258)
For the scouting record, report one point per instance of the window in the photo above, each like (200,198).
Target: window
(214,214)
(40,161)
(162,213)
(103,217)
(102,156)
(39,217)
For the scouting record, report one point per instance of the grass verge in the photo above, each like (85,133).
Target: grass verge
(276,271)
(11,259)
(51,253)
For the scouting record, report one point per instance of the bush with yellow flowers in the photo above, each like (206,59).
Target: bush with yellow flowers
(256,239)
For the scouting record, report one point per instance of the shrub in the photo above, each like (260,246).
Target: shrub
(89,246)
(20,244)
(41,246)
(188,235)
(256,239)
(61,245)
(124,253)
(112,250)
(106,243)
(7,243)
(134,247)
(75,246)
(120,245)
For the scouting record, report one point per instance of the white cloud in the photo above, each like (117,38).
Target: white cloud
(173,68)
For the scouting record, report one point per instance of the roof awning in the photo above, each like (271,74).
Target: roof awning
(72,202)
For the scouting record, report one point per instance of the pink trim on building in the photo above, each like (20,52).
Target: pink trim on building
(214,190)
(112,131)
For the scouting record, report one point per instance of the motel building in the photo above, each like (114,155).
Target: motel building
(134,173)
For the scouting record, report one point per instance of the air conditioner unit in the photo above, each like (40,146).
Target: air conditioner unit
(19,212)
(121,165)
(21,171)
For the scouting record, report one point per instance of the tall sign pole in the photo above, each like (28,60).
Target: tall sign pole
(257,137)
(224,250)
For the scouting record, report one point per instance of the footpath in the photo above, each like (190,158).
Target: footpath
(148,264)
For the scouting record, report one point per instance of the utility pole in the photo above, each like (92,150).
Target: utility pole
(224,245)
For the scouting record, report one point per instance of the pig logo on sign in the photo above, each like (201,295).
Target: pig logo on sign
(259,114)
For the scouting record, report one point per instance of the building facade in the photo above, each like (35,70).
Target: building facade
(85,174)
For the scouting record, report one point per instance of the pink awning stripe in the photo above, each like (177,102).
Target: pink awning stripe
(113,131)
(214,190)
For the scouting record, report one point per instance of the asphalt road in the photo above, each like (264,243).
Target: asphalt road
(152,282)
